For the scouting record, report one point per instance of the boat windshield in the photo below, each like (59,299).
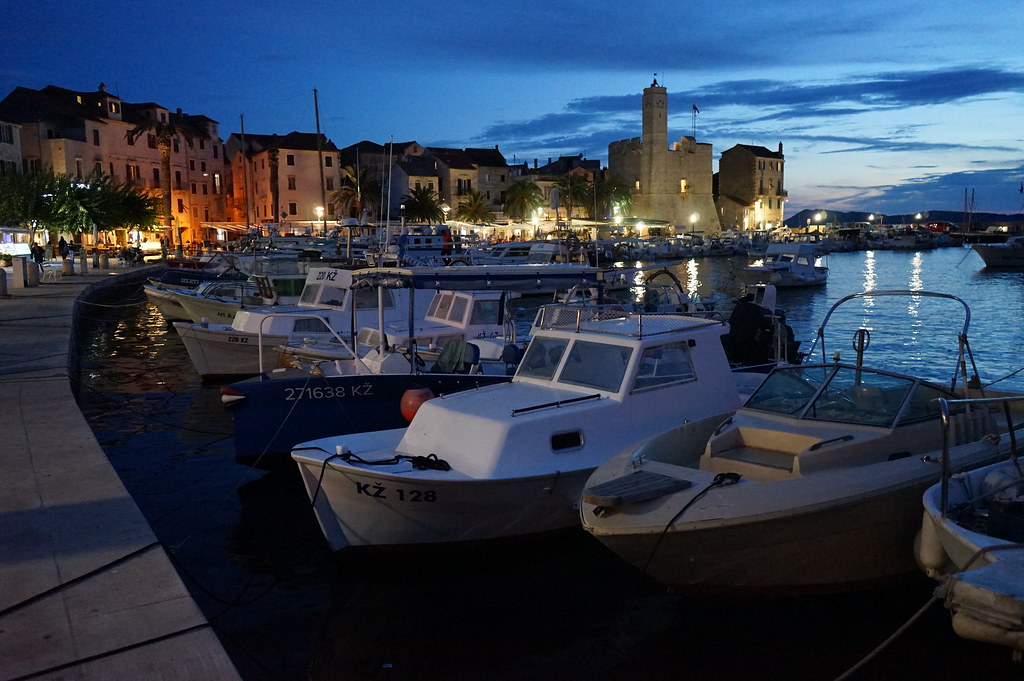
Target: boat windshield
(596,365)
(846,394)
(542,358)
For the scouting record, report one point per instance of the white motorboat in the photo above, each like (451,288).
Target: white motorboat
(785,264)
(328,307)
(972,541)
(813,485)
(1009,253)
(511,459)
(219,305)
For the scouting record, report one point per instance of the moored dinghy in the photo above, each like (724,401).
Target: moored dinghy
(972,541)
(511,459)
(814,484)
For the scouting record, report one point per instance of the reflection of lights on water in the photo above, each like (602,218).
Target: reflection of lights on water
(692,276)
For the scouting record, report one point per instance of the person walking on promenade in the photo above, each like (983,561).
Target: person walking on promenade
(63,248)
(38,254)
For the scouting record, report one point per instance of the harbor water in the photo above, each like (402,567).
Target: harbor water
(555,607)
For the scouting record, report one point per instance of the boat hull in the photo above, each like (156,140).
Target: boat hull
(223,353)
(357,507)
(167,302)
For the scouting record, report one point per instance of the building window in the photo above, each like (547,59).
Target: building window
(195,211)
(330,184)
(206,214)
(181,205)
(637,185)
(156,177)
(682,186)
(163,116)
(114,108)
(202,166)
(151,141)
(215,151)
(293,208)
(289,159)
(193,187)
(191,164)
(176,147)
(98,167)
(291,182)
(177,179)
(202,143)
(328,161)
(206,189)
(96,138)
(6,134)
(216,183)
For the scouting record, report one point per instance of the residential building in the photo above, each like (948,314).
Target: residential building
(549,175)
(751,193)
(10,148)
(672,185)
(77,133)
(416,172)
(284,180)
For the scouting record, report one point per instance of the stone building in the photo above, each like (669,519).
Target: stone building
(672,185)
(76,133)
(281,182)
(751,192)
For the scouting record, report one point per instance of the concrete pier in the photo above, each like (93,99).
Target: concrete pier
(86,590)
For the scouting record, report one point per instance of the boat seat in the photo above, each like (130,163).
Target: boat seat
(457,357)
(632,489)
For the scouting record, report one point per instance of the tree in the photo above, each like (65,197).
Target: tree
(612,192)
(74,205)
(423,205)
(177,125)
(522,198)
(359,190)
(574,190)
(473,207)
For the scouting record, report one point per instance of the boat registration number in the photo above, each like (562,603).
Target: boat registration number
(327,392)
(396,493)
(238,339)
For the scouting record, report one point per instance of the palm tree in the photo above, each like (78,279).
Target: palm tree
(359,190)
(473,207)
(423,205)
(522,198)
(573,190)
(612,192)
(177,125)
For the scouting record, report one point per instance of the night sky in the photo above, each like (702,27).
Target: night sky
(883,106)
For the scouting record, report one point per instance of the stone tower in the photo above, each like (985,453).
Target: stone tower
(671,185)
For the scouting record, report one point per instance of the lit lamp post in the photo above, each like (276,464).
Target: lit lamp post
(320,216)
(693,222)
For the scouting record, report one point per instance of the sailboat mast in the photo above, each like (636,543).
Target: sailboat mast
(320,155)
(245,173)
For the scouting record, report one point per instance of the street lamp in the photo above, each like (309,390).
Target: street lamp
(693,222)
(320,216)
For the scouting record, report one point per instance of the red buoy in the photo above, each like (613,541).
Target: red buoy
(412,399)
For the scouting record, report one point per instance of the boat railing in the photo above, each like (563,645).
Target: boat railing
(300,315)
(948,412)
(614,319)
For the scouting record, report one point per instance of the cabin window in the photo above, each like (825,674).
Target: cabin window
(440,305)
(366,299)
(485,312)
(596,365)
(664,365)
(309,326)
(458,311)
(570,440)
(542,358)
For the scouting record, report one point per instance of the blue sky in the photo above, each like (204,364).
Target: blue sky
(885,106)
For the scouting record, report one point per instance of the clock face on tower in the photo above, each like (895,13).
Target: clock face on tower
(659,102)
